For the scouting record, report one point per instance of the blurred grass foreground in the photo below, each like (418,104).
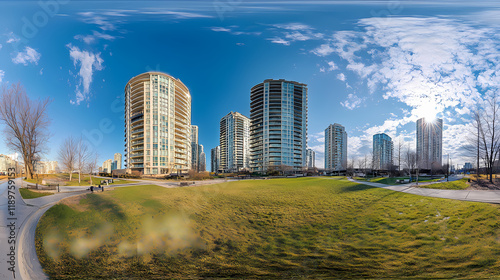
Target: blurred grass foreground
(279,228)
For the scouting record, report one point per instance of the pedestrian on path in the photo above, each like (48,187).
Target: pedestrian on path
(102,188)
(92,189)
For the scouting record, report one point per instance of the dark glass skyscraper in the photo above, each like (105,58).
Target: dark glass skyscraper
(278,129)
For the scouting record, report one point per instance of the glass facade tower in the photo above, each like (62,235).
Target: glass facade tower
(429,143)
(335,147)
(382,151)
(278,131)
(157,124)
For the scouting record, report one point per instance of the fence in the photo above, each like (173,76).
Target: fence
(51,187)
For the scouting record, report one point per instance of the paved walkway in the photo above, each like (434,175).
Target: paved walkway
(466,195)
(26,216)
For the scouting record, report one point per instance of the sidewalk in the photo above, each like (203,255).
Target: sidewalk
(466,195)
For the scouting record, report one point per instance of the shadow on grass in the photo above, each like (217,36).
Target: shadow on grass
(100,203)
(355,188)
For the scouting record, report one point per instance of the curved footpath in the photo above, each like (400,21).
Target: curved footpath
(466,195)
(26,216)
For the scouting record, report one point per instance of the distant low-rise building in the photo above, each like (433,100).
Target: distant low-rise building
(117,161)
(107,166)
(6,162)
(467,166)
(46,167)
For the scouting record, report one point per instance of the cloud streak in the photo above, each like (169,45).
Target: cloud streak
(88,62)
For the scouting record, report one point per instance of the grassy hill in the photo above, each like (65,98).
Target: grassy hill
(280,228)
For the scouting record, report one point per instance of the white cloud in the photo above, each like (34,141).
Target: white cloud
(29,55)
(41,71)
(317,137)
(89,39)
(278,40)
(176,14)
(232,30)
(332,66)
(323,50)
(352,102)
(429,69)
(104,22)
(341,77)
(220,29)
(293,26)
(88,63)
(295,32)
(12,38)
(0,46)
(2,75)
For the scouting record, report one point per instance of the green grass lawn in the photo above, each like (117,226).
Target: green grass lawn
(27,194)
(85,180)
(279,228)
(453,185)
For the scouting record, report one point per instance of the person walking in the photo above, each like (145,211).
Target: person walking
(102,188)
(92,189)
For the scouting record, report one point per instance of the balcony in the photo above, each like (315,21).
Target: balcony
(137,136)
(137,142)
(136,155)
(137,125)
(136,115)
(137,131)
(137,148)
(136,120)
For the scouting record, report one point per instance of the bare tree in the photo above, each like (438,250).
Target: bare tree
(92,164)
(68,155)
(399,149)
(485,133)
(410,160)
(26,124)
(350,167)
(82,156)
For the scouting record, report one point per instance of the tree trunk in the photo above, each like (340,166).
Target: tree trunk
(70,175)
(79,177)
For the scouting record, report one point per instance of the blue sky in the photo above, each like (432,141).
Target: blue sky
(372,66)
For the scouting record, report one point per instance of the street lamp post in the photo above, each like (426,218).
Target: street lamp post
(448,169)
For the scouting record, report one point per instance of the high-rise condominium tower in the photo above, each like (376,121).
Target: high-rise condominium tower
(118,160)
(429,143)
(157,124)
(382,151)
(335,147)
(278,131)
(215,159)
(195,151)
(310,158)
(234,142)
